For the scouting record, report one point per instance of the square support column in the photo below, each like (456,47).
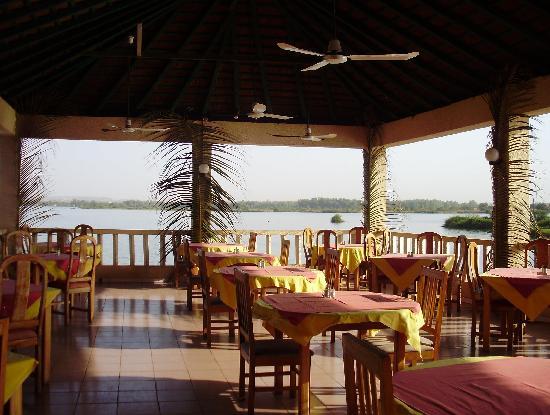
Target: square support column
(9,181)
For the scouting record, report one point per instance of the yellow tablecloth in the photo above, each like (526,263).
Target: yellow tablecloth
(42,248)
(351,255)
(402,408)
(213,247)
(290,277)
(403,320)
(18,369)
(51,293)
(402,270)
(532,304)
(59,272)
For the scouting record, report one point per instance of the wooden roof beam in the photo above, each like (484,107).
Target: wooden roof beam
(181,48)
(236,70)
(260,53)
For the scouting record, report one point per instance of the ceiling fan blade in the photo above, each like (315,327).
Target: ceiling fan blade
(311,138)
(316,66)
(325,136)
(386,57)
(279,117)
(151,130)
(286,136)
(139,38)
(291,48)
(255,115)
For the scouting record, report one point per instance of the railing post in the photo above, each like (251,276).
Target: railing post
(297,249)
(132,249)
(100,242)
(115,249)
(146,250)
(268,243)
(162,249)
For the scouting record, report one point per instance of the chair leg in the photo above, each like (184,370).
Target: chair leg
(459,297)
(450,287)
(251,387)
(91,305)
(67,307)
(242,376)
(204,323)
(189,295)
(39,356)
(16,401)
(208,331)
(332,336)
(232,324)
(510,330)
(473,331)
(293,372)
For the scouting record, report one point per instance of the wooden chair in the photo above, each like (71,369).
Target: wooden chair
(13,366)
(80,277)
(17,242)
(458,272)
(355,235)
(83,229)
(332,277)
(434,243)
(272,352)
(472,293)
(370,248)
(187,271)
(285,251)
(24,332)
(252,242)
(307,244)
(327,239)
(368,377)
(211,304)
(386,242)
(541,250)
(63,238)
(432,290)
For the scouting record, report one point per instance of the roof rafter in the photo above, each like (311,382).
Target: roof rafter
(260,53)
(181,48)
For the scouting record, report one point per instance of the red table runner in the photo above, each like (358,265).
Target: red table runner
(254,271)
(518,385)
(215,257)
(8,297)
(297,306)
(401,262)
(62,261)
(524,280)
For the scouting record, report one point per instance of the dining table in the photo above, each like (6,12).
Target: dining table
(403,269)
(217,260)
(302,316)
(527,289)
(42,248)
(293,278)
(57,264)
(492,385)
(33,308)
(194,248)
(350,256)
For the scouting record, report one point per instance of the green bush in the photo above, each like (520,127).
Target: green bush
(472,223)
(336,219)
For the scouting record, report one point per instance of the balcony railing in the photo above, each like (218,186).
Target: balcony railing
(144,255)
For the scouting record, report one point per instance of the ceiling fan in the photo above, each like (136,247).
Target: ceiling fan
(335,55)
(258,111)
(308,136)
(128,128)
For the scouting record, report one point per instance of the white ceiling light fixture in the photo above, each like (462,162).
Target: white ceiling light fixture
(492,155)
(308,136)
(258,111)
(204,168)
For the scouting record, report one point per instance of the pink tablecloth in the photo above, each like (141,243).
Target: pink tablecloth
(524,280)
(401,262)
(229,272)
(8,297)
(297,306)
(518,385)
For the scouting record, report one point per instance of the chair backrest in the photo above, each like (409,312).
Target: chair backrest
(252,241)
(83,229)
(205,282)
(434,243)
(17,242)
(23,270)
(176,241)
(369,246)
(368,377)
(4,330)
(332,268)
(307,244)
(432,291)
(356,234)
(245,302)
(285,251)
(85,247)
(460,263)
(541,250)
(472,274)
(63,238)
(327,239)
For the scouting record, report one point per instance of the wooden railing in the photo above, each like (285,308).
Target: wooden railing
(145,254)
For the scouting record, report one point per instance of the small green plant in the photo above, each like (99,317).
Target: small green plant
(336,219)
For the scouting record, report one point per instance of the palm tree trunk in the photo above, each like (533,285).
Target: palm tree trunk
(375,171)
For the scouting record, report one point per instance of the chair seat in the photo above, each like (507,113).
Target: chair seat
(72,285)
(384,341)
(18,369)
(17,335)
(273,348)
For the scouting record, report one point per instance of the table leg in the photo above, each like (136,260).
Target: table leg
(356,279)
(486,318)
(303,380)
(47,345)
(399,341)
(278,335)
(374,279)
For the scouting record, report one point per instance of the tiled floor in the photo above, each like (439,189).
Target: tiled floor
(144,355)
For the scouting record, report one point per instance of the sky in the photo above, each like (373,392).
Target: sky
(447,168)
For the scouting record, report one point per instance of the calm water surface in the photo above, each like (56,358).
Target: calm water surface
(149,219)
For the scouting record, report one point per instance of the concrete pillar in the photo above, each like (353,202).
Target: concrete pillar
(375,172)
(9,168)
(511,191)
